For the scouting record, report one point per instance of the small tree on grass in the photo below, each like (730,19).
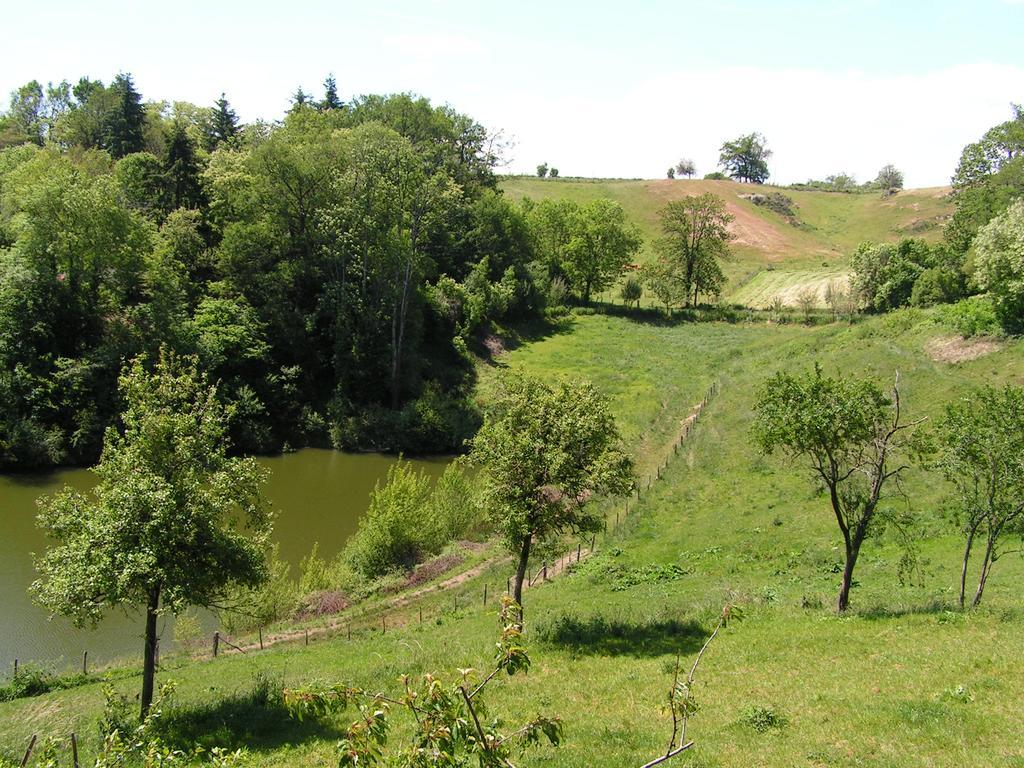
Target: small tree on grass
(172,522)
(850,433)
(544,452)
(542,170)
(981,452)
(632,291)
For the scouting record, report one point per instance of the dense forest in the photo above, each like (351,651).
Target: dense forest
(330,271)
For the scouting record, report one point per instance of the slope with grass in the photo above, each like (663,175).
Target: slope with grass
(828,226)
(903,680)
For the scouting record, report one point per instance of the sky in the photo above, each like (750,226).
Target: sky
(593,88)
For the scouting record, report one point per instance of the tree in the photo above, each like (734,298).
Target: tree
(663,278)
(671,173)
(172,522)
(601,243)
(695,236)
(542,170)
(223,125)
(989,177)
(884,275)
(299,100)
(182,169)
(999,264)
(981,452)
(851,435)
(685,167)
(631,292)
(746,158)
(26,112)
(125,122)
(889,178)
(331,100)
(553,173)
(544,452)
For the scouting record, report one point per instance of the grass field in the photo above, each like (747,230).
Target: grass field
(788,285)
(903,680)
(831,224)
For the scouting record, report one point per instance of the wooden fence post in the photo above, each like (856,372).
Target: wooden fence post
(307,637)
(15,668)
(485,595)
(85,662)
(28,752)
(260,630)
(578,550)
(383,625)
(74,750)
(216,643)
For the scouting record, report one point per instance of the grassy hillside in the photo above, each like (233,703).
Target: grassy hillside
(903,680)
(830,226)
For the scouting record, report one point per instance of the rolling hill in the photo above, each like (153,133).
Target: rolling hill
(771,255)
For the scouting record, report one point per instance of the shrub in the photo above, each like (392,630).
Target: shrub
(762,719)
(715,176)
(392,533)
(999,265)
(975,316)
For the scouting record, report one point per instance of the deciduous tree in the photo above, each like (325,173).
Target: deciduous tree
(695,236)
(746,158)
(545,451)
(172,522)
(981,452)
(850,434)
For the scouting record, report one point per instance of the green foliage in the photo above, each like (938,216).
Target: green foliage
(885,276)
(848,431)
(408,519)
(989,177)
(631,292)
(974,316)
(544,451)
(762,718)
(695,237)
(172,521)
(999,264)
(981,453)
(746,158)
(715,176)
(542,171)
(452,726)
(889,178)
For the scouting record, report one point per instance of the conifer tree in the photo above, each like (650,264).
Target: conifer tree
(182,169)
(299,100)
(125,122)
(223,127)
(331,100)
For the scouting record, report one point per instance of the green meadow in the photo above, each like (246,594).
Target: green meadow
(904,679)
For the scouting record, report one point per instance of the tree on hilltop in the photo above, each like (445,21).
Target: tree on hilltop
(685,167)
(223,125)
(746,158)
(331,99)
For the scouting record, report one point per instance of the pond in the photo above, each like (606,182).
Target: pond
(319,496)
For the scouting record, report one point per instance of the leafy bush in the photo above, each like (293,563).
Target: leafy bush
(30,681)
(975,316)
(715,176)
(762,719)
(999,265)
(408,520)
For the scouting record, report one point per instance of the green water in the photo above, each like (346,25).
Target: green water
(319,496)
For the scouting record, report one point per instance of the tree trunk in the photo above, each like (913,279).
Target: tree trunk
(149,657)
(963,570)
(524,559)
(986,566)
(852,551)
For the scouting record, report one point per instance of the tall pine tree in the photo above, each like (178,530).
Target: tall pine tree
(126,120)
(223,126)
(299,100)
(182,169)
(331,100)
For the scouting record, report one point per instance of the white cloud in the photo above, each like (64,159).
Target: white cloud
(816,123)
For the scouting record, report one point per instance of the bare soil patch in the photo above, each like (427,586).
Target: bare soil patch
(957,349)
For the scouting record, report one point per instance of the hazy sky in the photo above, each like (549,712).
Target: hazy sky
(594,88)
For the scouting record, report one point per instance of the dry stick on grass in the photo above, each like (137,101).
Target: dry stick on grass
(681,700)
